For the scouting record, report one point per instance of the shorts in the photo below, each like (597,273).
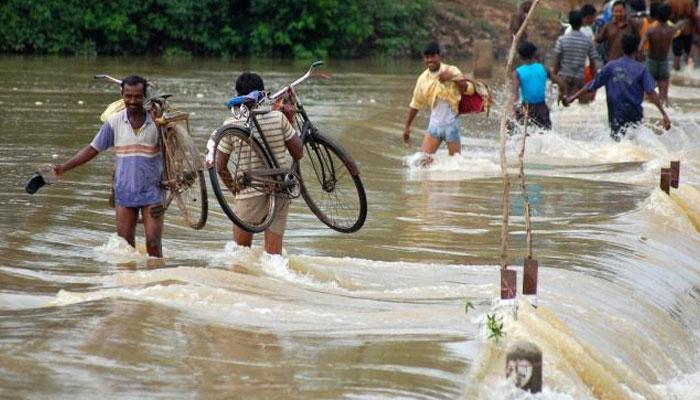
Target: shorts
(659,70)
(682,44)
(573,84)
(448,133)
(538,115)
(619,127)
(255,208)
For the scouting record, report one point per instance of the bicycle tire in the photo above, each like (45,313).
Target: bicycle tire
(331,184)
(246,152)
(185,177)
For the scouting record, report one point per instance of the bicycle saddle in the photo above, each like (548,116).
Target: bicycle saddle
(159,97)
(254,96)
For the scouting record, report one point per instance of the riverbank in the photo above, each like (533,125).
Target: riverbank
(459,23)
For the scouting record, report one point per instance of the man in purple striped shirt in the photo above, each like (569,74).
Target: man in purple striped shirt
(138,166)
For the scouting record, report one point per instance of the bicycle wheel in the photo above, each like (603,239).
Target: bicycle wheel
(231,182)
(184,174)
(331,185)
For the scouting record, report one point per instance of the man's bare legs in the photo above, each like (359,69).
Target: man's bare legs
(273,241)
(126,223)
(454,148)
(153,229)
(663,91)
(431,144)
(152,222)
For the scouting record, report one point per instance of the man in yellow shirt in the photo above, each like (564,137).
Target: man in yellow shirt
(439,87)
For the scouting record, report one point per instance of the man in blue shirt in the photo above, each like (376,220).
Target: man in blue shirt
(626,82)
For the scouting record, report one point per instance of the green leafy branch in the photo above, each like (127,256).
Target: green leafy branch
(494,323)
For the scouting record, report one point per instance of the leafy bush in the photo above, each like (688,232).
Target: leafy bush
(287,28)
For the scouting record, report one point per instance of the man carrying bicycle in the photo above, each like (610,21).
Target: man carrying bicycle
(439,87)
(138,166)
(249,203)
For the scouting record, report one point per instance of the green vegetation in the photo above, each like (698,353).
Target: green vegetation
(281,28)
(467,305)
(495,326)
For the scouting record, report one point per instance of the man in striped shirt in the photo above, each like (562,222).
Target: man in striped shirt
(138,165)
(283,140)
(572,50)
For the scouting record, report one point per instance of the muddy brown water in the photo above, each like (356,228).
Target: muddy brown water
(375,314)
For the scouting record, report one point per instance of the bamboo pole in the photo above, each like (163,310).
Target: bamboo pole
(504,117)
(523,188)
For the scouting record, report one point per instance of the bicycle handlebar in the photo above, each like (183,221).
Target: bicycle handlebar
(298,81)
(151,93)
(109,78)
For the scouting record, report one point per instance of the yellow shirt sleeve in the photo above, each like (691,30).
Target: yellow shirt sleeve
(420,98)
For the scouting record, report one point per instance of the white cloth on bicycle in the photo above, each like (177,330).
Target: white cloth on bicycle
(277,131)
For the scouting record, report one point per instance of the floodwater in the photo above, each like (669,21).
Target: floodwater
(379,314)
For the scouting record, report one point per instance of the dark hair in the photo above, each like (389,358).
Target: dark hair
(526,50)
(619,3)
(663,13)
(134,80)
(247,82)
(575,19)
(431,48)
(629,44)
(638,5)
(588,10)
(654,10)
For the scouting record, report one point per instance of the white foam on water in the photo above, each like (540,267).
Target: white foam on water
(116,250)
(463,166)
(683,387)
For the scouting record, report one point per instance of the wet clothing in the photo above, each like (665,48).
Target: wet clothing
(429,88)
(659,70)
(255,209)
(533,82)
(441,115)
(575,49)
(573,84)
(138,166)
(443,100)
(448,133)
(277,130)
(626,81)
(538,115)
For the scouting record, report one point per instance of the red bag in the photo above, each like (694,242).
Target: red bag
(478,101)
(469,104)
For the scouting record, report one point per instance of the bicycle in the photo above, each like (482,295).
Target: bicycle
(336,196)
(183,170)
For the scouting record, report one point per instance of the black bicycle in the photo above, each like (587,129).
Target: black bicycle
(326,176)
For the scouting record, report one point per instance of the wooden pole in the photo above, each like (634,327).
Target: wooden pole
(665,183)
(530,266)
(503,135)
(523,188)
(675,173)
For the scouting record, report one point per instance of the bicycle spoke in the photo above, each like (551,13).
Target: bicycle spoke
(332,192)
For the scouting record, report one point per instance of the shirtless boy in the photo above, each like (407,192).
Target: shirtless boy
(660,38)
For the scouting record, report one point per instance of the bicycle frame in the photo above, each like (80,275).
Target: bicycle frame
(303,125)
